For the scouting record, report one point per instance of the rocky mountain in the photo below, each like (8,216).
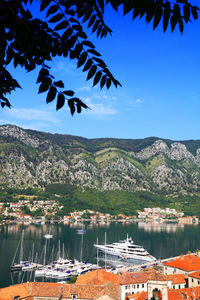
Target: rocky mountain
(31,158)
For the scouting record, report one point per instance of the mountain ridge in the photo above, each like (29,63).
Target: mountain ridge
(32,158)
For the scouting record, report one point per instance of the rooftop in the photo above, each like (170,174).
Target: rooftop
(187,263)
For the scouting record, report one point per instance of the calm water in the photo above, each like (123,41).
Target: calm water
(161,241)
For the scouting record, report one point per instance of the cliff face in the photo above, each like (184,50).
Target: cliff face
(35,159)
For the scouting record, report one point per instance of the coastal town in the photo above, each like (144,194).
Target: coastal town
(168,279)
(30,211)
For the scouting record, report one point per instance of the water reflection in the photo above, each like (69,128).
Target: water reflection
(158,227)
(161,240)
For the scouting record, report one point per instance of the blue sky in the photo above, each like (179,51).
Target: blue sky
(160,93)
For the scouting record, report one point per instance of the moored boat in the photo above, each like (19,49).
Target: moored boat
(126,249)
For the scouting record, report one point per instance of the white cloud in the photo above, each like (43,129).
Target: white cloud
(32,114)
(114,98)
(138,101)
(84,88)
(101,110)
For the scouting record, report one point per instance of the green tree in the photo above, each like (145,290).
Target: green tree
(61,33)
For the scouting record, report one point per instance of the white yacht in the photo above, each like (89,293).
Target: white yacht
(126,249)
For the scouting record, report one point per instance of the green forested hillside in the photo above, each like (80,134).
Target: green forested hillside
(121,175)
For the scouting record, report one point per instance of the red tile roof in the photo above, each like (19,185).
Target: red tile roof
(187,263)
(136,277)
(195,274)
(157,276)
(44,289)
(98,277)
(181,294)
(177,278)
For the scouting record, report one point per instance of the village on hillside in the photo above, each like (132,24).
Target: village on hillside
(30,211)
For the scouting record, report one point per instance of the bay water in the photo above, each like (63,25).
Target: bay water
(160,240)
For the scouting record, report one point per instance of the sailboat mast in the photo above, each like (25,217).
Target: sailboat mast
(21,247)
(97,252)
(105,251)
(81,247)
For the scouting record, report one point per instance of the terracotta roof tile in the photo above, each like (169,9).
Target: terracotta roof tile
(45,289)
(137,296)
(187,263)
(181,294)
(195,274)
(157,276)
(136,277)
(177,278)
(98,277)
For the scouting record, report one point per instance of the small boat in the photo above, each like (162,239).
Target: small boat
(48,236)
(22,263)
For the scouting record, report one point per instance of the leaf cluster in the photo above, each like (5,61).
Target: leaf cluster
(30,42)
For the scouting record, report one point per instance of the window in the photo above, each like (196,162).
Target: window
(143,285)
(192,280)
(74,297)
(198,281)
(179,286)
(138,286)
(173,286)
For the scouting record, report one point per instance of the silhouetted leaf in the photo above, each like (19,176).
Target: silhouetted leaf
(71,106)
(97,78)
(136,13)
(108,83)
(92,19)
(61,25)
(43,87)
(103,81)
(91,72)
(94,52)
(96,24)
(186,10)
(157,16)
(82,34)
(60,101)
(51,94)
(69,93)
(174,21)
(194,12)
(87,65)
(67,33)
(82,59)
(181,25)
(78,108)
(99,30)
(116,82)
(52,10)
(71,41)
(88,43)
(73,20)
(56,18)
(166,15)
(59,84)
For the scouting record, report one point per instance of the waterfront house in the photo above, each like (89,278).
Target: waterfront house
(194,279)
(184,264)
